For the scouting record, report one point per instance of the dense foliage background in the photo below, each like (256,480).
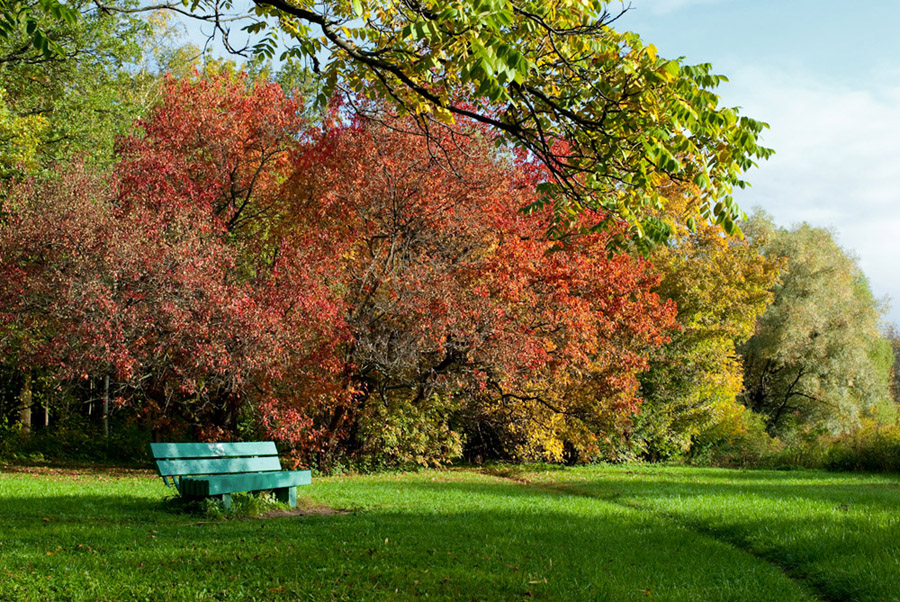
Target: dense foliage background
(190,249)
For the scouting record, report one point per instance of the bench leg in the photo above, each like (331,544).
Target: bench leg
(287,495)
(226,500)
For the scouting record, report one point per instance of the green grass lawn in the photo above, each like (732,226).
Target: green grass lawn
(593,533)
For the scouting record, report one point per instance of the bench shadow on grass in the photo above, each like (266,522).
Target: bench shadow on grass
(468,540)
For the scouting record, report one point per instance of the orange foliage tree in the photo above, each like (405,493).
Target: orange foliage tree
(467,322)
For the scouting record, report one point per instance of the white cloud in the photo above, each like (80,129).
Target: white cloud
(836,163)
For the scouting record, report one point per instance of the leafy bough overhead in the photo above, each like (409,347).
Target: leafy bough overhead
(26,15)
(601,110)
(610,119)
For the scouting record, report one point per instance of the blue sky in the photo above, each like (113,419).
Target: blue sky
(826,76)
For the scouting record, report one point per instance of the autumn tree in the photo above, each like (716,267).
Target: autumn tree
(156,302)
(143,275)
(465,317)
(358,290)
(817,358)
(720,286)
(400,232)
(217,144)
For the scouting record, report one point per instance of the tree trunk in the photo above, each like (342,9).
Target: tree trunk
(106,406)
(25,400)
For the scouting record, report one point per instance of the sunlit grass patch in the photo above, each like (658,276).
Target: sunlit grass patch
(573,534)
(840,532)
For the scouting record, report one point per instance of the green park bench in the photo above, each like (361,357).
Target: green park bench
(201,470)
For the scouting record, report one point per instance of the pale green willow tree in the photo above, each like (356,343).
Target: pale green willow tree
(892,334)
(607,117)
(817,359)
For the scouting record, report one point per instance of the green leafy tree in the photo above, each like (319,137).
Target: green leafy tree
(817,359)
(720,286)
(31,16)
(84,91)
(19,138)
(607,116)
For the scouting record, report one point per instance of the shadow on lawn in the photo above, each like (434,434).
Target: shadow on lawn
(882,493)
(457,539)
(845,545)
(840,537)
(879,490)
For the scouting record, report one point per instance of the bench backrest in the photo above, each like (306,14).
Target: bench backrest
(184,459)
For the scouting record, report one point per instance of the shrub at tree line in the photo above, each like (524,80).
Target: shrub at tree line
(239,264)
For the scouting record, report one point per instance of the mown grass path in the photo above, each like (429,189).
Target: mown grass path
(837,533)
(593,533)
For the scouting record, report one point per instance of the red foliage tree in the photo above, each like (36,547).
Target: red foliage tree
(216,145)
(162,273)
(218,149)
(460,308)
(156,302)
(359,289)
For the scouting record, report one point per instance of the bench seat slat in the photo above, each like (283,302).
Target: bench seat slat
(257,481)
(169,468)
(212,450)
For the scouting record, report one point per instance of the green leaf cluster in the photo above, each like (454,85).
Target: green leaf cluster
(32,16)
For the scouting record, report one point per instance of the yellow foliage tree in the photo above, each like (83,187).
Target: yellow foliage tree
(19,139)
(721,285)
